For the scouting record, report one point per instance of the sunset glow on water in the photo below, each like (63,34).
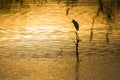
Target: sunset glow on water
(38,42)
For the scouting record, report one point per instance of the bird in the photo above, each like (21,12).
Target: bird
(76,25)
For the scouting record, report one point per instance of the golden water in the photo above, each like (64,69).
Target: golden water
(38,44)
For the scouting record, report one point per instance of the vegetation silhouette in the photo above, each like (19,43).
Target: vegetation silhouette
(7,5)
(67,11)
(77,73)
(107,10)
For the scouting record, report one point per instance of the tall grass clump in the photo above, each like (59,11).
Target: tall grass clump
(106,11)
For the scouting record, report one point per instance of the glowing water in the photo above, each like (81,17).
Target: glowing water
(39,45)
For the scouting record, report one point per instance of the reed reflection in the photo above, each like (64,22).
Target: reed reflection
(77,72)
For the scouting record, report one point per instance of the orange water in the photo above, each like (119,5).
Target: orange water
(39,45)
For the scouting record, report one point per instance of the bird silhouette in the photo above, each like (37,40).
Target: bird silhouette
(75,24)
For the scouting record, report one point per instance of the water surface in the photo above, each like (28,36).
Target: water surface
(38,44)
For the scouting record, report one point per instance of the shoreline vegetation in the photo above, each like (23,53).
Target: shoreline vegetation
(9,4)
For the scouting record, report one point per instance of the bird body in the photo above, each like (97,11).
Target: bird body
(75,24)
